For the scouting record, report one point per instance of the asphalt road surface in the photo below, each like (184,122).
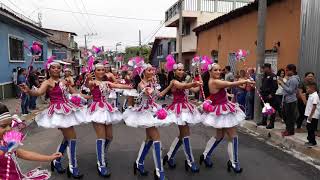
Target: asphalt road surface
(259,160)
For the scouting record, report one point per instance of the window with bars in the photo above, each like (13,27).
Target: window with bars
(16,49)
(186,28)
(159,50)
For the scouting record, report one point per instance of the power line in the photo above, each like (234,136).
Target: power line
(154,31)
(74,15)
(84,19)
(104,15)
(16,6)
(85,10)
(157,30)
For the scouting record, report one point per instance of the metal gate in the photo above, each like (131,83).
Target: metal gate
(232,62)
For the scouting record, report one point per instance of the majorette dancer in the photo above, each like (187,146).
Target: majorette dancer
(109,76)
(62,114)
(103,115)
(68,76)
(129,93)
(150,115)
(10,141)
(222,115)
(183,113)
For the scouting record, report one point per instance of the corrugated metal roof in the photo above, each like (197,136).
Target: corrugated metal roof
(232,15)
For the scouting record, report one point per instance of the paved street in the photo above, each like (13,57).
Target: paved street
(260,161)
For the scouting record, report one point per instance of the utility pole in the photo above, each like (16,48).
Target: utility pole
(262,14)
(85,39)
(180,31)
(140,42)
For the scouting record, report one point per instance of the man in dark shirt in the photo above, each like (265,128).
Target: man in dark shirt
(162,80)
(267,90)
(33,82)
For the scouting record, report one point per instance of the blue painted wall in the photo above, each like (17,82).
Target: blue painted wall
(164,42)
(5,65)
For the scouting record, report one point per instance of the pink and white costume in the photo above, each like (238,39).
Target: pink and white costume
(225,114)
(61,112)
(143,114)
(181,111)
(9,168)
(100,110)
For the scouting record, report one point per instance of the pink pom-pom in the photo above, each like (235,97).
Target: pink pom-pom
(36,48)
(205,62)
(13,136)
(241,54)
(196,61)
(268,109)
(170,63)
(161,114)
(207,107)
(17,123)
(76,100)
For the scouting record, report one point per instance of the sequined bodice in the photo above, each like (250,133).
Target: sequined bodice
(219,98)
(57,94)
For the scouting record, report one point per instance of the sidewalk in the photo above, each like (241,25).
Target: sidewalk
(291,143)
(13,105)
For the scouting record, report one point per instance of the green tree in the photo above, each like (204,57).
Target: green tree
(143,51)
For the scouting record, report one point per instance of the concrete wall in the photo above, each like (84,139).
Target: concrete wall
(283,25)
(28,37)
(189,42)
(60,36)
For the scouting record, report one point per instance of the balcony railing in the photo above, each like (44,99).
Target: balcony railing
(24,18)
(221,6)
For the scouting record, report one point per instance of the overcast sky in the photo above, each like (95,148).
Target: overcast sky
(109,30)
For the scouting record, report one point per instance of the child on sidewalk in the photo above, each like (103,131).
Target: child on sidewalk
(9,168)
(312,113)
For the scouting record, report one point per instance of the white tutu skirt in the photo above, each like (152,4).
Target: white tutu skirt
(185,117)
(130,92)
(105,117)
(144,119)
(61,120)
(183,113)
(226,119)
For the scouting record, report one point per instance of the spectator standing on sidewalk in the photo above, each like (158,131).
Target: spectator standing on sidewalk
(267,90)
(33,83)
(195,79)
(303,97)
(250,95)
(24,97)
(229,76)
(15,81)
(312,113)
(290,89)
(241,90)
(162,81)
(279,93)
(68,76)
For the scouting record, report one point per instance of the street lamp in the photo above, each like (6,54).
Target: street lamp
(118,44)
(116,54)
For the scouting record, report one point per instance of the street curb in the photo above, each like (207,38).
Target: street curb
(274,136)
(30,117)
